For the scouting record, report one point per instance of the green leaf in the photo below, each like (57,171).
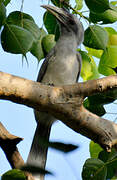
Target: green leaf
(51,24)
(36,48)
(96,37)
(112,36)
(94,52)
(113,3)
(97,5)
(6,2)
(14,174)
(60,3)
(108,16)
(94,149)
(2,14)
(34,169)
(79,4)
(89,68)
(96,108)
(94,169)
(108,61)
(48,42)
(16,40)
(110,160)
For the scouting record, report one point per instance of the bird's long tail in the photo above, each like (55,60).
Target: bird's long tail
(38,153)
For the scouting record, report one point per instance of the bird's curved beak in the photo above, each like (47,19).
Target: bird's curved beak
(61,14)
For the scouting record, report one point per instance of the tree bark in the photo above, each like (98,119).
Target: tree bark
(66,104)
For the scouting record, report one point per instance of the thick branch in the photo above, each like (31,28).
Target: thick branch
(66,104)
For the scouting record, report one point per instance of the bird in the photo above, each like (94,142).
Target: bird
(62,66)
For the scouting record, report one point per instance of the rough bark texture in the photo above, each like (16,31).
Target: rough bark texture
(66,104)
(8,144)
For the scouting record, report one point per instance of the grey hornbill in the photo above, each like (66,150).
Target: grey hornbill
(62,66)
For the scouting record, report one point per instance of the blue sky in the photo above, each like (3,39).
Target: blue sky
(19,119)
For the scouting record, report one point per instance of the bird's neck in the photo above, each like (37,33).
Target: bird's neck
(68,39)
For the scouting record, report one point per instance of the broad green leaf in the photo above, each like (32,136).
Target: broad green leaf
(16,40)
(48,42)
(51,24)
(16,18)
(79,4)
(97,5)
(110,160)
(94,52)
(14,174)
(89,68)
(2,14)
(96,37)
(94,149)
(112,36)
(94,169)
(34,169)
(108,16)
(36,48)
(108,61)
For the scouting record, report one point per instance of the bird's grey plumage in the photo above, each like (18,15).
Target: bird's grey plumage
(62,66)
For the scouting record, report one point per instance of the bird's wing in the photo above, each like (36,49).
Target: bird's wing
(45,65)
(79,59)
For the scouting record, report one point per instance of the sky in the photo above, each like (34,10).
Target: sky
(19,119)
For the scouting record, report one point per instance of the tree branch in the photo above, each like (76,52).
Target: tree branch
(8,144)
(66,104)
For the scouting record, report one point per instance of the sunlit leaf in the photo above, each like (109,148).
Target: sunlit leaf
(112,36)
(97,5)
(94,149)
(96,37)
(16,40)
(94,169)
(89,69)
(108,61)
(79,4)
(94,52)
(14,174)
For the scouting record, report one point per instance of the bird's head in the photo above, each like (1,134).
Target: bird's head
(67,20)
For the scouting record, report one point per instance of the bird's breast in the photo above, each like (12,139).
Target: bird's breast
(61,70)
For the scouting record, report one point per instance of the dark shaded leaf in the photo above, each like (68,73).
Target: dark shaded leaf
(96,37)
(108,16)
(6,2)
(51,24)
(97,5)
(94,169)
(34,169)
(60,3)
(14,174)
(2,14)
